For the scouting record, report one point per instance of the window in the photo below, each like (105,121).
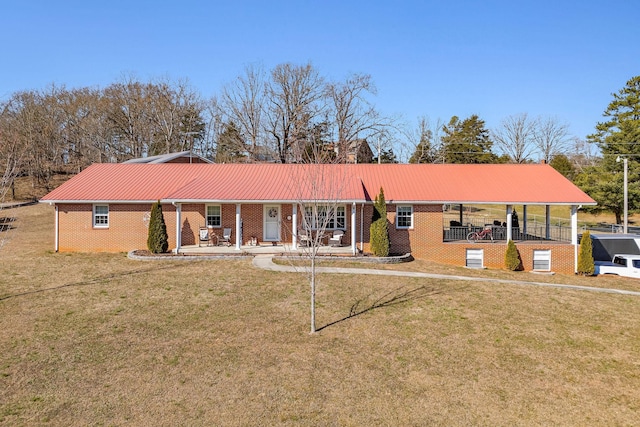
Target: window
(475,258)
(214,217)
(404,217)
(542,260)
(341,222)
(323,216)
(101,216)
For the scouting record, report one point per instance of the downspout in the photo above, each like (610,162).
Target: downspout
(353,228)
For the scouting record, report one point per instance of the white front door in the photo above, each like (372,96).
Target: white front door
(271,223)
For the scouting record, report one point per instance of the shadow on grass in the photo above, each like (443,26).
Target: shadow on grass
(397,296)
(90,281)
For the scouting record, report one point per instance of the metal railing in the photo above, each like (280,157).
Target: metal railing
(533,232)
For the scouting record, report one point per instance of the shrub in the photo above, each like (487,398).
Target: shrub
(378,231)
(512,257)
(157,239)
(586,266)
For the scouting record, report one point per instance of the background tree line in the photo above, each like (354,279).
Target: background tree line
(292,113)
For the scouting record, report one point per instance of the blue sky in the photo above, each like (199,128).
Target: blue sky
(427,58)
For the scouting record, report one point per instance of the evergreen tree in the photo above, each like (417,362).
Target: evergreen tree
(562,164)
(230,148)
(618,136)
(379,231)
(586,265)
(424,149)
(467,141)
(512,257)
(386,156)
(157,239)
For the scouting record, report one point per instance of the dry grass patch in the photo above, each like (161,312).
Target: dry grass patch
(103,340)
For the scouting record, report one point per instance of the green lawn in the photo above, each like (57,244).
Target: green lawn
(98,339)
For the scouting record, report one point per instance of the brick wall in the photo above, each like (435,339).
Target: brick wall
(128,230)
(425,241)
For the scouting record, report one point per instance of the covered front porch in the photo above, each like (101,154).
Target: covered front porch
(269,227)
(265,249)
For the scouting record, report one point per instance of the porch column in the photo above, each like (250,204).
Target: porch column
(509,218)
(460,214)
(547,221)
(353,228)
(178,227)
(524,219)
(57,241)
(574,235)
(294,226)
(238,227)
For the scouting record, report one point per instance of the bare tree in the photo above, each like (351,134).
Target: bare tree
(128,116)
(318,187)
(550,137)
(583,154)
(175,111)
(244,102)
(11,152)
(354,117)
(212,114)
(294,100)
(424,142)
(515,137)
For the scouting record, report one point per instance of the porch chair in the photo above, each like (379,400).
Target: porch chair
(203,236)
(226,237)
(336,238)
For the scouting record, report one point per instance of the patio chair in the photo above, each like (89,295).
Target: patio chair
(225,239)
(336,238)
(203,236)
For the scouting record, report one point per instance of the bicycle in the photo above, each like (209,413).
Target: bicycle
(475,236)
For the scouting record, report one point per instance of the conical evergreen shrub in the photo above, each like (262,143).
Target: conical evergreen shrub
(512,258)
(157,239)
(586,266)
(379,231)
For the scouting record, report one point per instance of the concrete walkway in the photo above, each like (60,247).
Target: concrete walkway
(265,262)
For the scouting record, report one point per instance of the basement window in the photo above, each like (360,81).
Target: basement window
(475,258)
(542,260)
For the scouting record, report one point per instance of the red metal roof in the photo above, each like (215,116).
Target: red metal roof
(503,184)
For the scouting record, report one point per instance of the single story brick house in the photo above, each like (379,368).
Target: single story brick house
(106,207)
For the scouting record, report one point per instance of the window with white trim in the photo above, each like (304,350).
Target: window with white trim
(214,215)
(542,260)
(474,258)
(404,216)
(324,216)
(101,216)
